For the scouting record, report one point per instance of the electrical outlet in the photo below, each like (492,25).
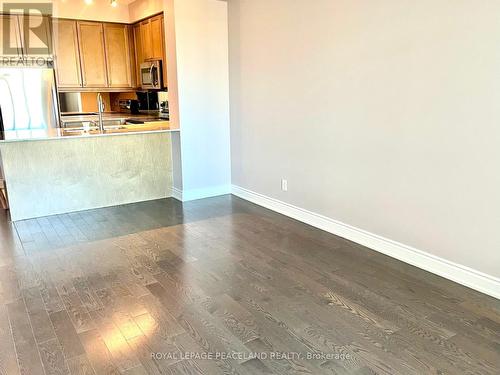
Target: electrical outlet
(284,185)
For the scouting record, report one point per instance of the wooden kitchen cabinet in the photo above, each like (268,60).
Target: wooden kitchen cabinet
(146,38)
(19,47)
(40,44)
(151,31)
(149,40)
(13,49)
(67,54)
(118,55)
(92,54)
(157,37)
(103,56)
(139,56)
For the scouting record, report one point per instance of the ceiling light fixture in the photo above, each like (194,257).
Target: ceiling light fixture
(114,3)
(88,2)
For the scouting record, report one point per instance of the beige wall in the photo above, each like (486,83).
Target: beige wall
(381,114)
(202,95)
(140,9)
(127,11)
(100,10)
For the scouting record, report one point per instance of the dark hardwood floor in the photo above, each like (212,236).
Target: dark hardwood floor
(100,291)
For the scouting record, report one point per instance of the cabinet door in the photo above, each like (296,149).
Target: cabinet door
(139,56)
(67,54)
(11,49)
(37,43)
(157,37)
(147,47)
(119,67)
(92,53)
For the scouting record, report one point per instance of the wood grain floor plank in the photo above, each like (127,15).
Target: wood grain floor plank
(67,335)
(80,365)
(122,354)
(144,352)
(186,344)
(224,275)
(28,358)
(138,370)
(40,321)
(235,318)
(163,320)
(9,284)
(87,295)
(53,359)
(186,367)
(8,362)
(98,353)
(76,310)
(50,296)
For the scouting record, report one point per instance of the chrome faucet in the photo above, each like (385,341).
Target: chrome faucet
(100,109)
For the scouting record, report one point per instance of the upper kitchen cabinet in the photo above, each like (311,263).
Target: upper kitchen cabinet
(139,56)
(92,54)
(13,47)
(149,42)
(118,55)
(37,42)
(67,54)
(151,35)
(157,37)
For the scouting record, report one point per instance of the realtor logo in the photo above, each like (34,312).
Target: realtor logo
(26,29)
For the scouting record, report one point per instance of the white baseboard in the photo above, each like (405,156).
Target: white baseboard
(456,272)
(177,194)
(191,195)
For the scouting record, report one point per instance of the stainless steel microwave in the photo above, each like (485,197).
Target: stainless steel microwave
(151,75)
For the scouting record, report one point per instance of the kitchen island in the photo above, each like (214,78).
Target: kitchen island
(56,171)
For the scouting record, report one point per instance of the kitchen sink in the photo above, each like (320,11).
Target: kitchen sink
(92,128)
(90,124)
(111,125)
(114,122)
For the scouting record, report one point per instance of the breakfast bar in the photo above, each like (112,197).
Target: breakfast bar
(56,171)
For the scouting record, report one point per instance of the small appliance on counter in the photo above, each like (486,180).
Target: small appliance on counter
(164,109)
(129,106)
(124,105)
(134,107)
(148,102)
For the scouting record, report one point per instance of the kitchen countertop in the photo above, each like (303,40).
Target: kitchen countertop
(61,133)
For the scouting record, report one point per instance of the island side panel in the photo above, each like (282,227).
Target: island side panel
(64,175)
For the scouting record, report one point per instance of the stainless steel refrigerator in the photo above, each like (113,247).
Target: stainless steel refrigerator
(28,99)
